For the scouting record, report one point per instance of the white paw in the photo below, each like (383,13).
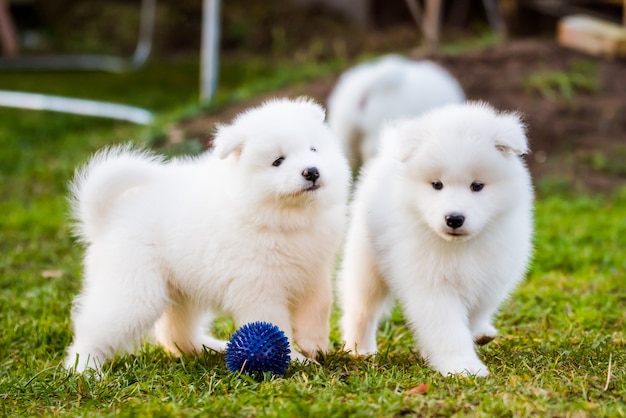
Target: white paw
(211,343)
(310,347)
(463,367)
(484,334)
(363,349)
(300,358)
(79,363)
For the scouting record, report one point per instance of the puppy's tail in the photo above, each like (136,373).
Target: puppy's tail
(105,178)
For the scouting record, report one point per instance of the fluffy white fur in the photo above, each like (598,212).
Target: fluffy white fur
(449,279)
(247,230)
(388,88)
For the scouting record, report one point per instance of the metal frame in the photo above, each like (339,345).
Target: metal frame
(209,58)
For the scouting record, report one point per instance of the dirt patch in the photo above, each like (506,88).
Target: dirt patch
(574,105)
(579,139)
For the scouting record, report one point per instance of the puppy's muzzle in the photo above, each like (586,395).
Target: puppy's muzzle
(311,174)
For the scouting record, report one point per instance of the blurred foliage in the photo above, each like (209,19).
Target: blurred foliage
(86,26)
(271,28)
(612,163)
(581,77)
(276,27)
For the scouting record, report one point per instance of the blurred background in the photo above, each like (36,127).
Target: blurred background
(148,54)
(279,27)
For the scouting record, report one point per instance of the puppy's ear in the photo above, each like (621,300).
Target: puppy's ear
(511,134)
(314,109)
(401,139)
(228,140)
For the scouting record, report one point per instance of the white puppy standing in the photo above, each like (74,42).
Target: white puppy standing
(392,87)
(250,230)
(442,220)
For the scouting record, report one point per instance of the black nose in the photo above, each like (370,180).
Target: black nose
(455,220)
(311,173)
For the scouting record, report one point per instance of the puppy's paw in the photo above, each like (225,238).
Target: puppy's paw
(484,334)
(483,339)
(83,357)
(463,367)
(301,358)
(310,347)
(360,350)
(211,343)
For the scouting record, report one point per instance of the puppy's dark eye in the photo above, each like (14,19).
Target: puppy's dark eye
(278,161)
(313,149)
(477,186)
(437,185)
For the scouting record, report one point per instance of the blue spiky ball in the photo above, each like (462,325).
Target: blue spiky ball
(258,347)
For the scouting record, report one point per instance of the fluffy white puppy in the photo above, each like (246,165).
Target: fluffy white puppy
(442,220)
(250,230)
(388,88)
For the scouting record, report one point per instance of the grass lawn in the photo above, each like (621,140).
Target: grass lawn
(562,344)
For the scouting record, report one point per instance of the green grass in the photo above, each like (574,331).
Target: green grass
(612,163)
(560,334)
(486,38)
(581,77)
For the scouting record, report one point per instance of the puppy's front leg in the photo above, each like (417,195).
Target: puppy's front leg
(441,324)
(311,316)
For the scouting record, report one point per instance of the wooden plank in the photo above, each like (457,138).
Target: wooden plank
(592,35)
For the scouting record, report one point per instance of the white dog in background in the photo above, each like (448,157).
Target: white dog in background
(442,220)
(250,230)
(388,88)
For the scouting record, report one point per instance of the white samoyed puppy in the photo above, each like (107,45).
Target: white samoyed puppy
(249,230)
(442,220)
(391,87)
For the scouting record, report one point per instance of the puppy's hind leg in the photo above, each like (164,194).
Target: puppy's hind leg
(363,295)
(121,299)
(181,328)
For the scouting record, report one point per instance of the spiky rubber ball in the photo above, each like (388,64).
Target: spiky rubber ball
(258,347)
